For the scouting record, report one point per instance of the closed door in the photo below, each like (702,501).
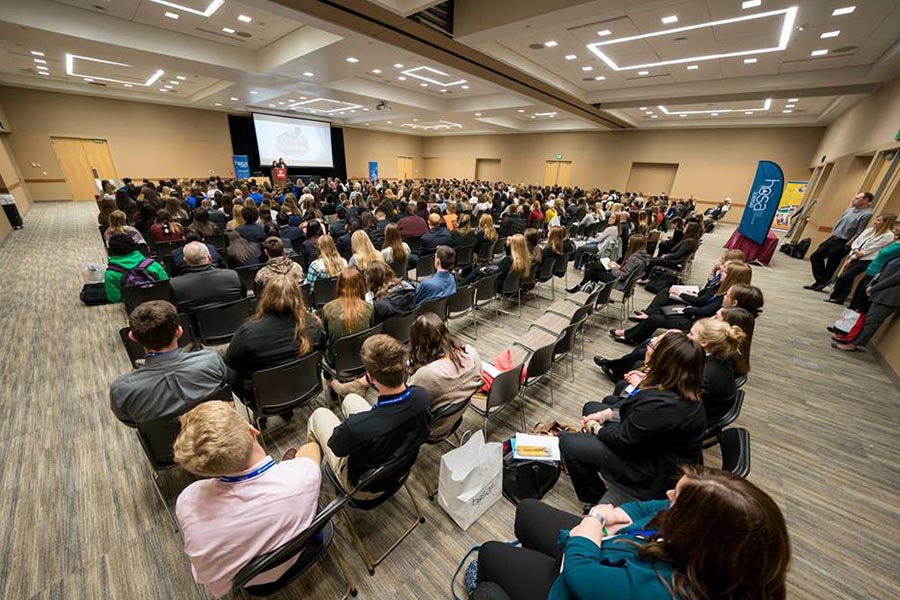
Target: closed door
(564,175)
(83,162)
(404,167)
(551,171)
(487,169)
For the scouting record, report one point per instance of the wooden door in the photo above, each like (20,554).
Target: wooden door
(76,167)
(100,158)
(404,167)
(551,172)
(564,173)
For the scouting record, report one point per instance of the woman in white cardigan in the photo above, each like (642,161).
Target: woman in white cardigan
(862,250)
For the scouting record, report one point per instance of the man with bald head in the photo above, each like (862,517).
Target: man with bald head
(202,284)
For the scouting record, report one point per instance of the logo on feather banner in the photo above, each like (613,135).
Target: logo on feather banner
(762,202)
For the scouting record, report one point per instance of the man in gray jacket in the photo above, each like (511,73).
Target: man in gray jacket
(884,290)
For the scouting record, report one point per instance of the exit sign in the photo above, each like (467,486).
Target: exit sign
(559,156)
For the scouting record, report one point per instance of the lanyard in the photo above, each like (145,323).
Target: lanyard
(155,354)
(394,399)
(641,533)
(254,473)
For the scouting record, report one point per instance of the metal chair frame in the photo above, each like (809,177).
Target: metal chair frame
(462,292)
(516,375)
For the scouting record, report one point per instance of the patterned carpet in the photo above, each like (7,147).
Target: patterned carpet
(81,519)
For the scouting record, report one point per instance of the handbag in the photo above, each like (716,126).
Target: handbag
(470,577)
(848,320)
(527,478)
(94,294)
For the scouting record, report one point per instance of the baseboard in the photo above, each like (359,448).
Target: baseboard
(885,365)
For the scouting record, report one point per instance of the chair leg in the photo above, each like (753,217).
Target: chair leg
(350,590)
(522,408)
(155,479)
(475,323)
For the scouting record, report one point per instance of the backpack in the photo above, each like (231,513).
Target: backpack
(139,275)
(660,279)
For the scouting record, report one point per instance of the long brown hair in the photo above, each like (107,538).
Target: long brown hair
(430,340)
(725,538)
(676,365)
(636,243)
(555,239)
(735,273)
(380,278)
(351,294)
(328,254)
(742,318)
(393,241)
(486,224)
(464,225)
(281,296)
(521,257)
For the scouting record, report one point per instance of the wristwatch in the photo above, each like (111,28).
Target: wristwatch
(599,518)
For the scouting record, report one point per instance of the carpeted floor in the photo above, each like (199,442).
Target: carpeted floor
(81,519)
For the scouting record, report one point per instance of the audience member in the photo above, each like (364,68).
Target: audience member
(203,285)
(165,229)
(277,264)
(251,230)
(412,225)
(442,284)
(117,224)
(884,293)
(863,250)
(437,235)
(636,259)
(829,254)
(328,264)
(127,267)
(349,312)
(240,252)
(722,343)
(860,300)
(395,249)
(604,244)
(391,295)
(364,252)
(192,235)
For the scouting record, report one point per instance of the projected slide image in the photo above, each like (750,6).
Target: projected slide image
(299,142)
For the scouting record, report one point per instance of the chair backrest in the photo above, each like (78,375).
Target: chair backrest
(485,289)
(462,302)
(135,295)
(511,283)
(164,249)
(285,387)
(545,271)
(735,448)
(566,342)
(144,249)
(248,276)
(540,362)
(562,264)
(729,417)
(218,241)
(136,352)
(437,306)
(398,326)
(306,292)
(505,387)
(386,479)
(464,255)
(630,283)
(217,324)
(401,268)
(425,266)
(324,291)
(500,246)
(604,290)
(446,414)
(348,348)
(486,252)
(415,244)
(581,313)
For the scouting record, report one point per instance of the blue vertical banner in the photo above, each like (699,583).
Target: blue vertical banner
(373,170)
(762,203)
(241,166)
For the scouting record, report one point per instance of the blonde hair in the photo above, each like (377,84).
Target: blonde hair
(486,224)
(720,338)
(887,223)
(237,212)
(214,440)
(328,254)
(521,257)
(117,221)
(363,249)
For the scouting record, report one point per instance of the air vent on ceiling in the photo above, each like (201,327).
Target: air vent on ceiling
(536,46)
(439,17)
(844,49)
(97,83)
(226,36)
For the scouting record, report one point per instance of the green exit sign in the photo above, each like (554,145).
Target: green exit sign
(559,156)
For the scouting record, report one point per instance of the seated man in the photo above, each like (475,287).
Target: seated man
(193,235)
(412,225)
(277,264)
(250,505)
(202,284)
(251,230)
(372,436)
(290,232)
(172,381)
(442,284)
(437,235)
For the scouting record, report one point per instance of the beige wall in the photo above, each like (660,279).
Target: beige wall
(12,179)
(364,145)
(712,163)
(146,140)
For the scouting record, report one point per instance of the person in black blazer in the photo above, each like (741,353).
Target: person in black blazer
(678,317)
(681,252)
(251,230)
(635,441)
(204,285)
(721,342)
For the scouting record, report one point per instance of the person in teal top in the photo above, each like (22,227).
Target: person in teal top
(123,253)
(860,301)
(717,536)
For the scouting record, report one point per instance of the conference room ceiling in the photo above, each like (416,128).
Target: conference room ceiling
(511,67)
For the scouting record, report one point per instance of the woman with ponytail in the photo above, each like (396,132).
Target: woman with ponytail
(722,343)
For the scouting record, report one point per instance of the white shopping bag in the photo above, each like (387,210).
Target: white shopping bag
(847,320)
(471,479)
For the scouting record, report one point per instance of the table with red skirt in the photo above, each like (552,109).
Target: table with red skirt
(754,252)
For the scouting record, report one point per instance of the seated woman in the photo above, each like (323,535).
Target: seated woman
(125,262)
(862,251)
(279,332)
(313,230)
(203,224)
(518,260)
(349,312)
(392,296)
(722,343)
(716,536)
(240,252)
(603,240)
(395,249)
(118,225)
(486,233)
(328,264)
(556,239)
(165,229)
(635,441)
(364,253)
(533,239)
(463,235)
(681,317)
(681,252)
(636,258)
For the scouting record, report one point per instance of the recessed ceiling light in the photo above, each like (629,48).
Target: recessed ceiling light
(352,59)
(714,114)
(168,87)
(533,117)
(604,33)
(376,71)
(218,104)
(669,19)
(830,34)
(520,110)
(423,85)
(749,112)
(127,85)
(244,18)
(253,92)
(43,72)
(36,53)
(233,99)
(353,111)
(477,114)
(88,79)
(570,56)
(163,90)
(550,44)
(228,30)
(821,52)
(281,104)
(390,122)
(365,110)
(842,11)
(173,82)
(654,117)
(271,106)
(443,91)
(600,78)
(587,68)
(40,61)
(790,105)
(642,73)
(181,77)
(41,68)
(401,78)
(750,61)
(793,99)
(303,97)
(398,66)
(692,67)
(751,4)
(172,15)
(465,87)
(308,74)
(643,108)
(211,8)
(367,124)
(787,111)
(415,120)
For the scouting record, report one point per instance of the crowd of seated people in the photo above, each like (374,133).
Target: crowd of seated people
(633,443)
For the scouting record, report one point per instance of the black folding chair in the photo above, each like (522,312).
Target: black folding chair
(734,445)
(462,303)
(503,392)
(164,249)
(248,277)
(135,295)
(464,256)
(486,252)
(486,291)
(398,326)
(739,381)
(565,347)
(400,269)
(217,324)
(448,413)
(348,364)
(500,246)
(324,291)
(511,289)
(415,244)
(284,388)
(539,365)
(425,266)
(136,352)
(545,274)
(714,428)
(437,306)
(218,241)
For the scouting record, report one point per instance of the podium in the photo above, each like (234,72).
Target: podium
(279,176)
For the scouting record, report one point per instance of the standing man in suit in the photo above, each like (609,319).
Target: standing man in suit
(884,291)
(831,252)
